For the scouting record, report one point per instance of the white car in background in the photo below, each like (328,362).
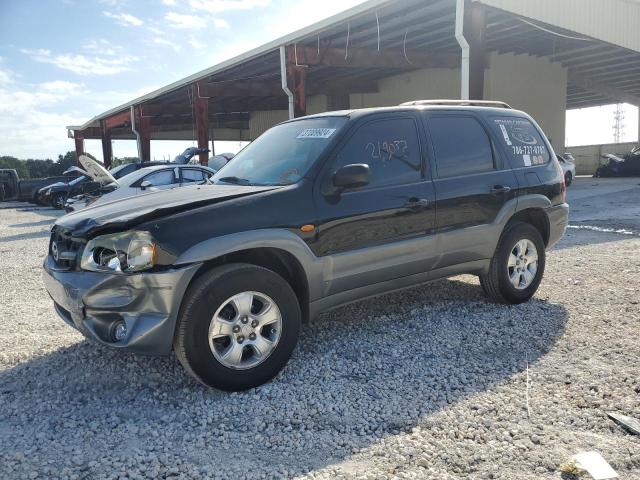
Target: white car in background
(568,164)
(145,180)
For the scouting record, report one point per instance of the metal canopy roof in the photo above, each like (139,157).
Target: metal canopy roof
(598,72)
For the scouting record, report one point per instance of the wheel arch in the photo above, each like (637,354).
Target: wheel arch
(278,250)
(277,260)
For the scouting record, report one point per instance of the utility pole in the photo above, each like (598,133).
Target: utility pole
(618,124)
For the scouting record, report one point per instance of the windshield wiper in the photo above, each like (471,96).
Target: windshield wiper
(235,180)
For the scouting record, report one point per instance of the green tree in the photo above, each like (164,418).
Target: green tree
(16,164)
(121,161)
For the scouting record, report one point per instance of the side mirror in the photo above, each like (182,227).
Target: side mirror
(352,176)
(144,185)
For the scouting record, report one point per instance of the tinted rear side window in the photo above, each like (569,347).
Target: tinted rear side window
(522,141)
(461,145)
(391,149)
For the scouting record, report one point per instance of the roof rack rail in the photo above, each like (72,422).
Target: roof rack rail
(469,103)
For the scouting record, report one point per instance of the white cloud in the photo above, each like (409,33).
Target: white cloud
(102,46)
(169,3)
(81,64)
(196,44)
(63,87)
(167,43)
(178,20)
(221,23)
(217,6)
(124,19)
(25,116)
(33,117)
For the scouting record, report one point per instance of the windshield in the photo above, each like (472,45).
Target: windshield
(75,181)
(283,154)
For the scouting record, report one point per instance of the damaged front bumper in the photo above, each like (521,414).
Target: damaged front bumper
(94,302)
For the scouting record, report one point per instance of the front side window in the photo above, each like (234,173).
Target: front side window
(391,149)
(192,175)
(283,154)
(522,141)
(461,145)
(158,179)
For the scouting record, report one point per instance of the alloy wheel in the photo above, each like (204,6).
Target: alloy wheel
(245,330)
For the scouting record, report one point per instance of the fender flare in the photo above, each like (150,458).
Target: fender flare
(275,238)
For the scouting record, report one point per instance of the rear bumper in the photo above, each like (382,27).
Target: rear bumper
(94,302)
(558,220)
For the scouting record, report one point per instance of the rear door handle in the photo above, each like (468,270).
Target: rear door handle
(498,189)
(417,203)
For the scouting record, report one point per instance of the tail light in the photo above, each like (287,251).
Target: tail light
(563,190)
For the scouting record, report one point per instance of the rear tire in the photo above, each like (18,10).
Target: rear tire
(513,277)
(211,322)
(568,178)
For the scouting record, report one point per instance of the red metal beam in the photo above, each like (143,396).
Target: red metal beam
(297,82)
(79,141)
(107,151)
(201,115)
(143,126)
(118,120)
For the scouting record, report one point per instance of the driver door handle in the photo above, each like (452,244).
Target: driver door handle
(498,189)
(416,203)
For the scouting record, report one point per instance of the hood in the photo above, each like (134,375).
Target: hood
(74,169)
(127,212)
(96,171)
(52,185)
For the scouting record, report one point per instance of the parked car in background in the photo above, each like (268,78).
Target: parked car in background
(616,166)
(317,212)
(218,161)
(144,180)
(568,165)
(57,194)
(25,190)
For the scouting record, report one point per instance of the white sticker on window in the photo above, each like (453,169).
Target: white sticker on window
(316,133)
(527,160)
(505,134)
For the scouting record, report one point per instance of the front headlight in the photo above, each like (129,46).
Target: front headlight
(125,252)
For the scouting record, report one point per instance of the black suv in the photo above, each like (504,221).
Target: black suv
(317,212)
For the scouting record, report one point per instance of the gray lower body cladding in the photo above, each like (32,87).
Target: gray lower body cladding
(148,303)
(558,220)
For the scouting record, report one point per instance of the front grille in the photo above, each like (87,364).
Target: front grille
(64,249)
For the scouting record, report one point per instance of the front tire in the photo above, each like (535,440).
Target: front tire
(57,201)
(237,327)
(517,265)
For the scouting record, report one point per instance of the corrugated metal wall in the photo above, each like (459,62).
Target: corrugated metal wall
(613,21)
(262,121)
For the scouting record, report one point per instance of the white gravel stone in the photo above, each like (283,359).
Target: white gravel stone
(425,383)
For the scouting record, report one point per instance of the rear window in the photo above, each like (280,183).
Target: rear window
(522,141)
(462,146)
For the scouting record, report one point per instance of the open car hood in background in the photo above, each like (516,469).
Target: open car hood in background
(96,171)
(75,169)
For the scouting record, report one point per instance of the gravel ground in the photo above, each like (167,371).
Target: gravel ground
(427,383)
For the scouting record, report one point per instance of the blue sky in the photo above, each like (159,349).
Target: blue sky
(64,61)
